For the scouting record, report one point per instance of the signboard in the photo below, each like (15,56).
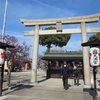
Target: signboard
(94,56)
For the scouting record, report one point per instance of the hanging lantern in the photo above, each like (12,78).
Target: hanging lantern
(94,56)
(65,62)
(49,63)
(2,56)
(73,62)
(57,63)
(80,63)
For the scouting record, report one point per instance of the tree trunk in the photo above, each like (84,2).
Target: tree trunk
(9,65)
(9,75)
(48,48)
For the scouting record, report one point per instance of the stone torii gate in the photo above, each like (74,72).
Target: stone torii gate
(82,20)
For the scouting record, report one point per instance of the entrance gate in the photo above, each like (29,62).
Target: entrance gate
(82,20)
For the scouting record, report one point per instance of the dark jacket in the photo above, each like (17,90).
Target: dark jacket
(76,72)
(65,72)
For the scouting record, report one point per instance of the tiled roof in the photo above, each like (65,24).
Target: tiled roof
(64,56)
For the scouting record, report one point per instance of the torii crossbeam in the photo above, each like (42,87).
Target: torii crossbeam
(82,20)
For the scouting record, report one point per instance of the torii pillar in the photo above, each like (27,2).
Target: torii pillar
(74,20)
(85,55)
(35,55)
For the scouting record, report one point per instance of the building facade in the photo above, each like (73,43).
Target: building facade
(56,60)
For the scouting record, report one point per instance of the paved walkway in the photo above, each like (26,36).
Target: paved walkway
(50,89)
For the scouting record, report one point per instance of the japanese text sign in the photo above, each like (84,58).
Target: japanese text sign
(2,56)
(94,56)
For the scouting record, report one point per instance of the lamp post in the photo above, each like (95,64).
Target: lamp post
(21,63)
(7,56)
(15,66)
(3,46)
(2,55)
(4,22)
(94,59)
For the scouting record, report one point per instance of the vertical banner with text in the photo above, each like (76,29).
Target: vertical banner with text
(94,56)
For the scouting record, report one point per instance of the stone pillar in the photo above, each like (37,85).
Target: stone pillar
(35,55)
(85,56)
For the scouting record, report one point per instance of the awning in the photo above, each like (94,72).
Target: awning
(94,43)
(4,45)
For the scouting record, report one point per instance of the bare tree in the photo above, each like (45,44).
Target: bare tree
(13,53)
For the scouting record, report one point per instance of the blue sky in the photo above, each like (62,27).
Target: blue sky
(41,9)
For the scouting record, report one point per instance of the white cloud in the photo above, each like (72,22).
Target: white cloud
(21,38)
(74,45)
(55,8)
(17,10)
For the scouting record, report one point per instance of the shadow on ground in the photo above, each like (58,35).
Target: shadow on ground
(19,87)
(90,91)
(42,80)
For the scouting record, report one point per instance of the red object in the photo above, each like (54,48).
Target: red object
(2,55)
(99,55)
(90,55)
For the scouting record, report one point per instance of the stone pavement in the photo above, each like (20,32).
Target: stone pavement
(50,89)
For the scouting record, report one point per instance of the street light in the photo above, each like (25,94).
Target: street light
(7,56)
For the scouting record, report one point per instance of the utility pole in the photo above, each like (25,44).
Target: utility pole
(4,22)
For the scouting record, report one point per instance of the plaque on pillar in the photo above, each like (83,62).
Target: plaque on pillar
(59,27)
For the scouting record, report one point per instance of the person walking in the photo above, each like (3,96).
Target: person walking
(76,74)
(64,76)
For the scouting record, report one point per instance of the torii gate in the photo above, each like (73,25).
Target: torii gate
(82,20)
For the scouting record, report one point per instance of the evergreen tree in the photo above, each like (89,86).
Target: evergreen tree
(57,39)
